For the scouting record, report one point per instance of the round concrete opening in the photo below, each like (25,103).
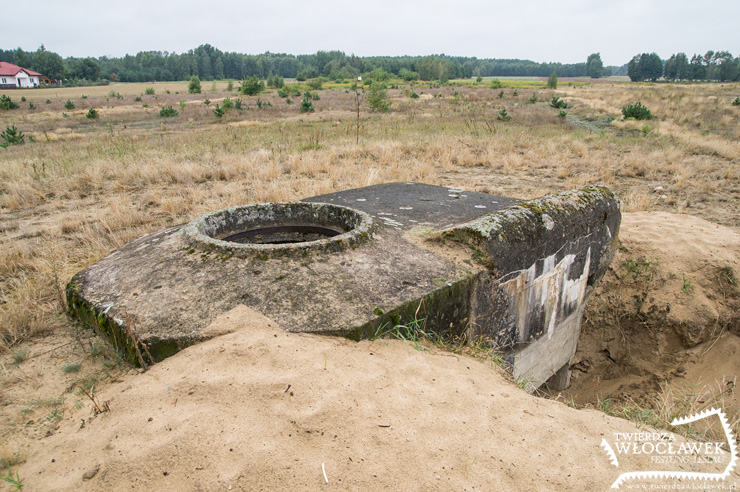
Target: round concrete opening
(279,229)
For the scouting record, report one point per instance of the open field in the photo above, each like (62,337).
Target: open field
(79,187)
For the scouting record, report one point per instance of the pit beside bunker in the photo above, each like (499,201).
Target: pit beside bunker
(468,264)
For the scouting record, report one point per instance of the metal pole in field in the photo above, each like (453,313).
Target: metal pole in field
(357,100)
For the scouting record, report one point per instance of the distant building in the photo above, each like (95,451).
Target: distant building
(13,76)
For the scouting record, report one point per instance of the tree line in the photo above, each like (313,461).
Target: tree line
(712,66)
(209,63)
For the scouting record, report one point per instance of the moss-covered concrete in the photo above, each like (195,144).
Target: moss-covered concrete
(508,270)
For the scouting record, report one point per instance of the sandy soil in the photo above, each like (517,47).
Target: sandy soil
(262,409)
(665,320)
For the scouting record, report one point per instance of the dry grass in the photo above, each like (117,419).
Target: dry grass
(88,186)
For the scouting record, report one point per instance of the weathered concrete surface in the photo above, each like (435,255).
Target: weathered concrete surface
(543,258)
(469,264)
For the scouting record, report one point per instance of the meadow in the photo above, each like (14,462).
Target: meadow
(80,187)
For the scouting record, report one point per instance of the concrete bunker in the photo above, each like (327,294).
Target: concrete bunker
(466,264)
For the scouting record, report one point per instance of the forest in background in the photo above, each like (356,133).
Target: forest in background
(210,63)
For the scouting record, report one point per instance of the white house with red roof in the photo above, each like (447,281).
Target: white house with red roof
(13,76)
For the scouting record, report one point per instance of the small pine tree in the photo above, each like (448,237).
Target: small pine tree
(377,98)
(251,86)
(7,103)
(637,111)
(194,85)
(167,112)
(12,136)
(306,105)
(92,114)
(558,103)
(69,105)
(552,81)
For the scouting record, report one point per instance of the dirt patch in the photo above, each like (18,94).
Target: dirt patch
(262,409)
(663,329)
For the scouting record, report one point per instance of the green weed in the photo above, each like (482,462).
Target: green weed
(641,268)
(14,481)
(71,368)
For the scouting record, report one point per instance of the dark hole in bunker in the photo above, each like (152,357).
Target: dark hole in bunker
(283,234)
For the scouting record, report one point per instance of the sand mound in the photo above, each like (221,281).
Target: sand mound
(261,409)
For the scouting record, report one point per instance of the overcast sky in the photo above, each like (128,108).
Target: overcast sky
(541,30)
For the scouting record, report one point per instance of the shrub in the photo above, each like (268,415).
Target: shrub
(495,84)
(137,99)
(479,79)
(315,84)
(12,136)
(552,81)
(408,75)
(283,93)
(84,96)
(230,86)
(149,91)
(377,98)
(69,105)
(48,101)
(558,103)
(275,81)
(23,99)
(306,105)
(167,91)
(194,85)
(736,101)
(251,86)
(92,114)
(168,112)
(414,95)
(227,104)
(636,111)
(7,103)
